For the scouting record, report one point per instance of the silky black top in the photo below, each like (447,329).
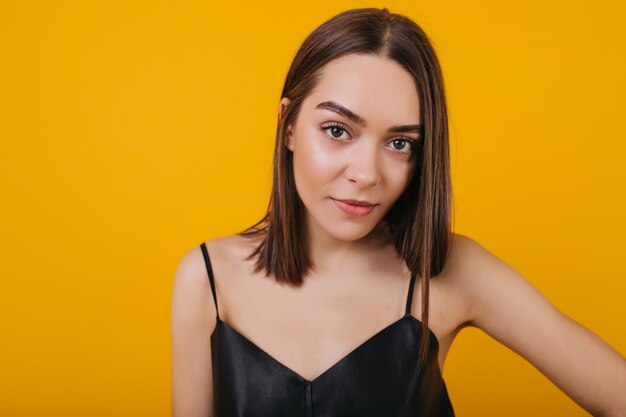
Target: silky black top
(378,378)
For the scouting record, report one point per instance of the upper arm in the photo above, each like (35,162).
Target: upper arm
(506,306)
(192,321)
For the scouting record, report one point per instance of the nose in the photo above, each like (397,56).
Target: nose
(363,167)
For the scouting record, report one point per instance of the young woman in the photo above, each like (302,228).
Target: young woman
(345,298)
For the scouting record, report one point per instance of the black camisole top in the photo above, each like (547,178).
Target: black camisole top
(379,378)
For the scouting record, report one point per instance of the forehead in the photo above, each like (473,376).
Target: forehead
(376,88)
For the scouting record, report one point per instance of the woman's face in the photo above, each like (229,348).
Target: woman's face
(353,144)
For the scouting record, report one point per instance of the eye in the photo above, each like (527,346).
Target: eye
(334,130)
(403,145)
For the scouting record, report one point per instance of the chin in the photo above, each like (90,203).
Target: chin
(348,232)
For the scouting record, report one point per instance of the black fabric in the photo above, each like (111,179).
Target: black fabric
(378,378)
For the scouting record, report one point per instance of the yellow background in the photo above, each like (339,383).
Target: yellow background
(133,131)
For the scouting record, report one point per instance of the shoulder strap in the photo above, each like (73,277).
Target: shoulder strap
(409,297)
(209,270)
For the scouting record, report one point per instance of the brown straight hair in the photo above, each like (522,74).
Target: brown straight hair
(420,219)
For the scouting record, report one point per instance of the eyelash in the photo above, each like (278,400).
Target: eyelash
(412,142)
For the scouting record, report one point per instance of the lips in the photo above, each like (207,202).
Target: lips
(358,202)
(355,208)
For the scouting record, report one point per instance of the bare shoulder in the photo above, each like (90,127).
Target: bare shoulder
(191,290)
(230,264)
(229,251)
(193,318)
(465,253)
(500,301)
(223,253)
(476,288)
(448,288)
(474,278)
(192,298)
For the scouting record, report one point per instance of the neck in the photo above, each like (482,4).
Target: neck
(329,253)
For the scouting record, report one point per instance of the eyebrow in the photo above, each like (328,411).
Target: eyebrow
(339,109)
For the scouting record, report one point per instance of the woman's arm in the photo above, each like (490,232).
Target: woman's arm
(511,310)
(192,321)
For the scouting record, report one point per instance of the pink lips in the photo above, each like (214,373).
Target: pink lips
(354,207)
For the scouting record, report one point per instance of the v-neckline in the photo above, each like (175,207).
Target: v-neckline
(431,335)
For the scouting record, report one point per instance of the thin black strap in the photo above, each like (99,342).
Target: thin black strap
(409,297)
(209,270)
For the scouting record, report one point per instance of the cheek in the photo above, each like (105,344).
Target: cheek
(399,176)
(315,163)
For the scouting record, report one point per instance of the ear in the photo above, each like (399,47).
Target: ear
(282,107)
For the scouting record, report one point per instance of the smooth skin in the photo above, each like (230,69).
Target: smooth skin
(359,284)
